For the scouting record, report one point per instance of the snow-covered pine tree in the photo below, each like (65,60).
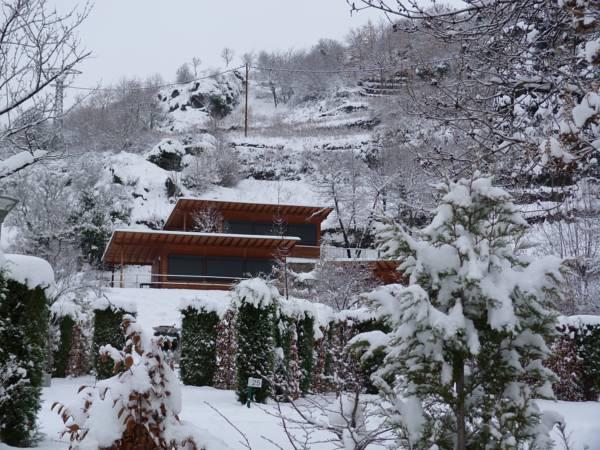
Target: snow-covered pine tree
(468,335)
(256,304)
(226,348)
(136,409)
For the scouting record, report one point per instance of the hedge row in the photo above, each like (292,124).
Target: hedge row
(575,359)
(294,346)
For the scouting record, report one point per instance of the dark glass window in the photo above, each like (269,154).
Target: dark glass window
(307,232)
(225,267)
(257,266)
(181,265)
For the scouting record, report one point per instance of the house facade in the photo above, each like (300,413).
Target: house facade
(211,244)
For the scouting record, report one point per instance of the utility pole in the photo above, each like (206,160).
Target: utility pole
(59,97)
(59,109)
(246,106)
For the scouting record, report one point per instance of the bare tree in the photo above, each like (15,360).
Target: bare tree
(195,64)
(38,48)
(522,82)
(184,74)
(207,220)
(227,54)
(573,233)
(340,284)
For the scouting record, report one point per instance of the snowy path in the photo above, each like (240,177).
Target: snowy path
(582,418)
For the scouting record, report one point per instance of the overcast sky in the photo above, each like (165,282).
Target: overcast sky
(141,37)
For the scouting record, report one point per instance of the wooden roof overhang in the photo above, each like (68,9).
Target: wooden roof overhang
(141,247)
(312,214)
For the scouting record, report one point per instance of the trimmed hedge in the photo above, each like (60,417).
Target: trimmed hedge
(24,320)
(576,359)
(107,330)
(255,348)
(61,355)
(306,345)
(198,346)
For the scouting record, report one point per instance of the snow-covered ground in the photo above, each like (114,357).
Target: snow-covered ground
(260,420)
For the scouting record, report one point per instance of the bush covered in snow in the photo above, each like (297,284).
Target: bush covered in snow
(60,357)
(256,304)
(225,376)
(107,331)
(135,409)
(198,346)
(23,346)
(576,358)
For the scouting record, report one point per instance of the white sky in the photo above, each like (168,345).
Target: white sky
(141,37)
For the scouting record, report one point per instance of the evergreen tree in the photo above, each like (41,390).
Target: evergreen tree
(23,344)
(61,355)
(468,335)
(107,331)
(198,346)
(305,342)
(256,303)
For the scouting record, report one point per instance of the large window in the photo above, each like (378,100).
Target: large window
(182,266)
(307,232)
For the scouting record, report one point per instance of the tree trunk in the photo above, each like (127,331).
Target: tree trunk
(459,377)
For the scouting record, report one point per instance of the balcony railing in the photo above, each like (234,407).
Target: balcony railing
(167,280)
(340,253)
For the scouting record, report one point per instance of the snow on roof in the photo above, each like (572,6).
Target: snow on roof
(206,199)
(198,233)
(29,270)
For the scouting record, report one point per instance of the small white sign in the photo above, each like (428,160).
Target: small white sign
(254,382)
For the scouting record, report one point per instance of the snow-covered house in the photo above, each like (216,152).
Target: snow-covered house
(211,244)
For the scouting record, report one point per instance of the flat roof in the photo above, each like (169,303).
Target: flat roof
(141,247)
(184,204)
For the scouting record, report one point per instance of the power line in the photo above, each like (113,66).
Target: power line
(273,69)
(344,70)
(160,86)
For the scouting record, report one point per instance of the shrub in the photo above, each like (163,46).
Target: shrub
(225,376)
(61,354)
(107,331)
(256,302)
(576,358)
(198,346)
(306,344)
(568,367)
(23,346)
(142,406)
